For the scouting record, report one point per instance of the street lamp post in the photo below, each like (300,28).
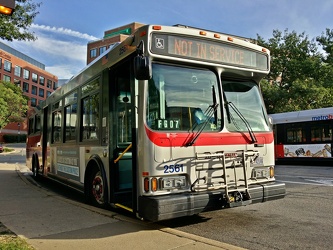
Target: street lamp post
(7,7)
(19,132)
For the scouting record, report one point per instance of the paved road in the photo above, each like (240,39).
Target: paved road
(17,156)
(302,220)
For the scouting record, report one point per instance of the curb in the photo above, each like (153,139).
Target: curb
(114,215)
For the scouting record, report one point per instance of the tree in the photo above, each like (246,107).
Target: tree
(299,78)
(13,104)
(326,41)
(293,57)
(16,26)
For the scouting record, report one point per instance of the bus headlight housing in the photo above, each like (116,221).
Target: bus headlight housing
(153,184)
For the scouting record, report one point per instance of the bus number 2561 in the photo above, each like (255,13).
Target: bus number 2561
(169,169)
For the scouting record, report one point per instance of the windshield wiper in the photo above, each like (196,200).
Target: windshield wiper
(208,114)
(240,115)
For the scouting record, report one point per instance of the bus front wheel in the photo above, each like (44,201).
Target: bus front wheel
(35,173)
(97,189)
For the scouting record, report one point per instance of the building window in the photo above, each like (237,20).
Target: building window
(26,74)
(6,78)
(49,83)
(34,90)
(0,62)
(17,82)
(41,92)
(18,71)
(7,66)
(55,85)
(48,93)
(34,77)
(41,80)
(33,102)
(102,49)
(26,87)
(93,53)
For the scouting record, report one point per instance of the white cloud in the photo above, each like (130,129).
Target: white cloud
(64,31)
(61,50)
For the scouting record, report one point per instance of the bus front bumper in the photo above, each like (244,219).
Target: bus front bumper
(157,208)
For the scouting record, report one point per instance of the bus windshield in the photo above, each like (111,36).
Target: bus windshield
(245,96)
(181,99)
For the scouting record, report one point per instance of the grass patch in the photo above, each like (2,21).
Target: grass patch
(7,150)
(10,241)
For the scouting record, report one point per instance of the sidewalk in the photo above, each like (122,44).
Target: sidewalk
(49,221)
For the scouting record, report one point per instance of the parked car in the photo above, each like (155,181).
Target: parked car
(1,148)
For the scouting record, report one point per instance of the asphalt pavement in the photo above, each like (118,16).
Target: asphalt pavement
(47,220)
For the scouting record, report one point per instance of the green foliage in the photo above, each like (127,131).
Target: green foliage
(326,41)
(16,26)
(13,104)
(14,138)
(12,242)
(300,76)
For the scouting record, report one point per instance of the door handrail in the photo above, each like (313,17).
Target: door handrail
(122,154)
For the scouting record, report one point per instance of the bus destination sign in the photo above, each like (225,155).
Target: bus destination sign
(205,50)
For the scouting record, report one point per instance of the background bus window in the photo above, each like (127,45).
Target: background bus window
(321,132)
(37,124)
(31,126)
(295,134)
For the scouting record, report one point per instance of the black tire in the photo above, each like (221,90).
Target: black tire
(97,189)
(34,168)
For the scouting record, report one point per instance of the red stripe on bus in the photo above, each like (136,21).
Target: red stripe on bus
(179,139)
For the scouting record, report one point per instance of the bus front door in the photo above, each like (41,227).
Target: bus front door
(121,137)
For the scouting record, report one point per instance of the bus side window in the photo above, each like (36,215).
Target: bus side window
(56,126)
(90,120)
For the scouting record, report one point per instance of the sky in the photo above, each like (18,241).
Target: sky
(64,27)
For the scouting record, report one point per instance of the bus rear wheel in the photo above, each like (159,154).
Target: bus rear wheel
(97,189)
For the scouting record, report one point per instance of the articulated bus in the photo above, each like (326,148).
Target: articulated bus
(304,137)
(168,123)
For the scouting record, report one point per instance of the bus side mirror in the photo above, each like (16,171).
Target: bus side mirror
(142,64)
(142,68)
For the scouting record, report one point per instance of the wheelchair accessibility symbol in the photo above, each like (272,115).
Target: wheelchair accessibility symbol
(159,43)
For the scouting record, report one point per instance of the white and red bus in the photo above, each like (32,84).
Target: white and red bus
(168,123)
(304,136)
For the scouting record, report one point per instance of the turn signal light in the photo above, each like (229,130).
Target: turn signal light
(154,184)
(271,172)
(146,184)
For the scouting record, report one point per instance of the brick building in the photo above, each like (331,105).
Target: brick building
(30,75)
(96,48)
